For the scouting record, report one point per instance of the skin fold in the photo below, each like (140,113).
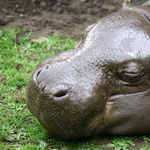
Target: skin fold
(100,87)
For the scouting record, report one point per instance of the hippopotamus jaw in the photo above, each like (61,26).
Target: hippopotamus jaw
(127,113)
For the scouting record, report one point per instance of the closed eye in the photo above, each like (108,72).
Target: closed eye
(130,73)
(130,77)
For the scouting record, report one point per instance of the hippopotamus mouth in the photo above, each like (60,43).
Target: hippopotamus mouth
(102,86)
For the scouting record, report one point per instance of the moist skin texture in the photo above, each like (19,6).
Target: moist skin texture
(102,86)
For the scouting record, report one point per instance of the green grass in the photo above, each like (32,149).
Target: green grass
(19,130)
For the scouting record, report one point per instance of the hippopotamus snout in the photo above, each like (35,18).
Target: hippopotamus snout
(58,92)
(61,99)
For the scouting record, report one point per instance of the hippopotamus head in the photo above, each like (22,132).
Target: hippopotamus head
(102,86)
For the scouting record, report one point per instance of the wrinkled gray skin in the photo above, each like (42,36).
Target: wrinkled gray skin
(102,86)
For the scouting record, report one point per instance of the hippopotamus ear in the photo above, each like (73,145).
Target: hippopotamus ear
(144,10)
(147,3)
(129,2)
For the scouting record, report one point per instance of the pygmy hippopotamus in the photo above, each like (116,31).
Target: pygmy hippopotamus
(100,87)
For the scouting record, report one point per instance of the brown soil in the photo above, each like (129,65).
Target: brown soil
(50,17)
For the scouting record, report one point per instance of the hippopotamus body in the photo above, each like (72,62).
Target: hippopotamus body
(100,87)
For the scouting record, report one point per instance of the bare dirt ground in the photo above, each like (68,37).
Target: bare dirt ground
(51,17)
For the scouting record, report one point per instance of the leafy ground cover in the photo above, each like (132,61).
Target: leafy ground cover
(19,130)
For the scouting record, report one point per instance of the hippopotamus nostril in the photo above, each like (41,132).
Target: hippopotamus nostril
(59,91)
(36,74)
(39,71)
